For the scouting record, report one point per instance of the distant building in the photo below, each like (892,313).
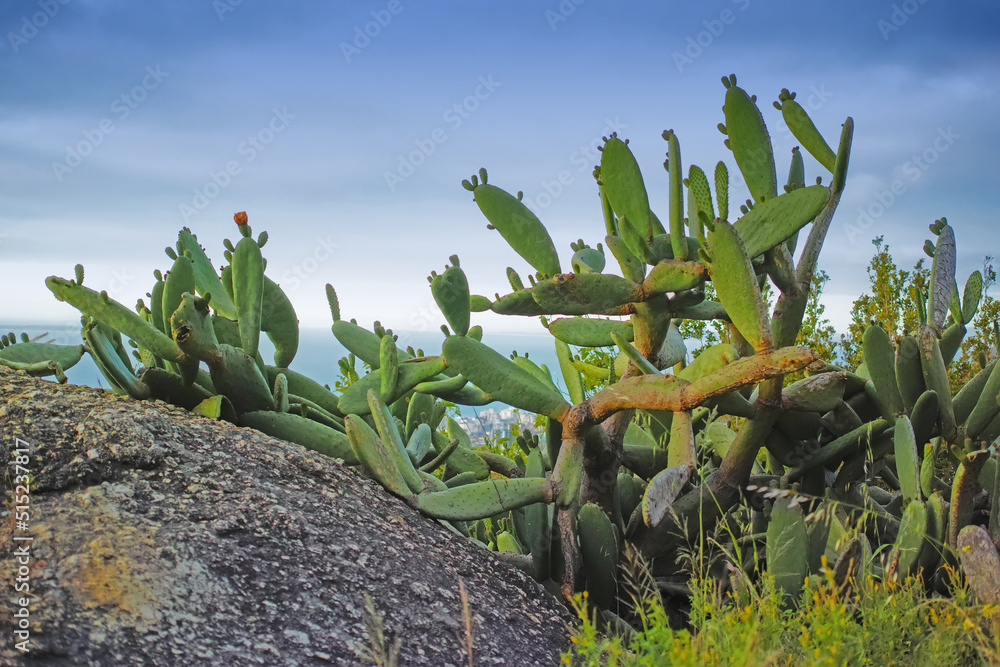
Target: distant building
(496,422)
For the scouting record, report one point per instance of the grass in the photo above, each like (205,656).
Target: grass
(869,623)
(380,653)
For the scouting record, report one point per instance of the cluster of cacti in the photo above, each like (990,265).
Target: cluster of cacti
(856,462)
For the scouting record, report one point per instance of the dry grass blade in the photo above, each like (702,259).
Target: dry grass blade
(467,618)
(378,653)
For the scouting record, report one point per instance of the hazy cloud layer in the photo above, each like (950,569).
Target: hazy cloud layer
(344,129)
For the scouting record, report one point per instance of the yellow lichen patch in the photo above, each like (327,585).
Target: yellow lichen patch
(112,569)
(105,574)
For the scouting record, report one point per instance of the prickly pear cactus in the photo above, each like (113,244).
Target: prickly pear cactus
(649,450)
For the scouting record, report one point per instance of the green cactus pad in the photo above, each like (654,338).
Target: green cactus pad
(880,359)
(100,341)
(967,397)
(206,279)
(248,292)
(388,368)
(911,538)
(501,379)
(599,550)
(674,275)
(701,193)
(387,431)
(585,293)
(986,408)
(237,377)
(467,395)
(279,322)
(483,499)
(750,142)
(787,547)
(672,350)
(722,189)
(571,376)
(937,533)
(628,493)
(419,411)
(632,267)
(372,453)
(909,376)
(817,393)
(924,416)
(451,293)
(804,130)
(971,296)
(479,304)
(907,460)
(774,221)
(419,444)
(963,492)
(156,306)
(539,374)
(951,341)
(362,343)
(589,332)
(706,310)
(179,279)
(306,432)
(519,227)
(736,284)
(588,260)
(280,392)
(675,171)
(567,473)
(518,303)
(113,314)
(442,384)
(65,356)
(936,378)
(622,182)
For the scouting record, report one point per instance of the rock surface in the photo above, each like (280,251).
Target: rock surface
(163,538)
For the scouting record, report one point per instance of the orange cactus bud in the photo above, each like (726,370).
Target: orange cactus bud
(240,218)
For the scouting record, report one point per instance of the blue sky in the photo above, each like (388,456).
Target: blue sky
(121,122)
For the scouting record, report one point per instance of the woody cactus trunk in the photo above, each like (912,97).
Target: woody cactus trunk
(668,447)
(694,248)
